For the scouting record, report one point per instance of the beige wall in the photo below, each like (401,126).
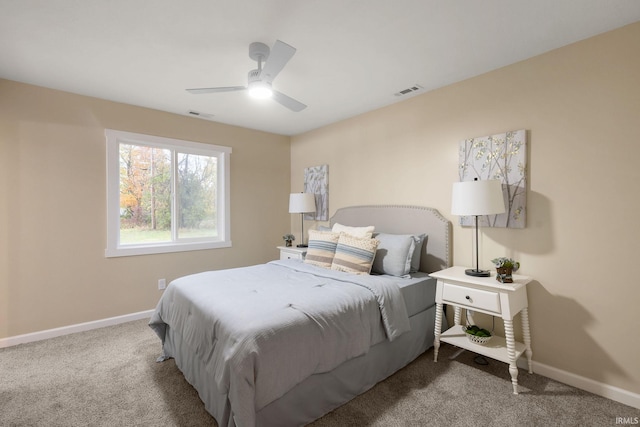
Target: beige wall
(581,107)
(53,271)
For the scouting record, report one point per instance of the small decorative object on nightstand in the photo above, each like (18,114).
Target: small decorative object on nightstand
(484,295)
(288,238)
(292,253)
(505,267)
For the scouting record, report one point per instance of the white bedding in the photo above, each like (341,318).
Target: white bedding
(294,320)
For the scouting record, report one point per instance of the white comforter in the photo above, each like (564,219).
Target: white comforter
(261,330)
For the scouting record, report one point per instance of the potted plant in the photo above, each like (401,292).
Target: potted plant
(288,238)
(505,267)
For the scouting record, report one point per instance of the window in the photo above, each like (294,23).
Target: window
(165,195)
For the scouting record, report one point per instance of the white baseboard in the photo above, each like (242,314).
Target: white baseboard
(71,329)
(592,386)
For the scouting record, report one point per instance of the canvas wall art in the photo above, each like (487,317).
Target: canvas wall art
(503,157)
(316,181)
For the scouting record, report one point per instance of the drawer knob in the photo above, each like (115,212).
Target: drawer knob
(468,297)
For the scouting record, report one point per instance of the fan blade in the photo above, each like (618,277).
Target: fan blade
(280,54)
(215,89)
(288,102)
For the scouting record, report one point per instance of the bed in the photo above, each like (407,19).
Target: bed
(283,343)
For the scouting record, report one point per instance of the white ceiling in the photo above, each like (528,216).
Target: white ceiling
(353,55)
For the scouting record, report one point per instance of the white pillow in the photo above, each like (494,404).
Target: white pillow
(361,232)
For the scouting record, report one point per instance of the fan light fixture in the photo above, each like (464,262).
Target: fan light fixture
(259,80)
(260,90)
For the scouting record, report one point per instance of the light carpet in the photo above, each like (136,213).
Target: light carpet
(109,377)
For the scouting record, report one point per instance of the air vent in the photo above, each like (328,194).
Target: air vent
(407,91)
(201,115)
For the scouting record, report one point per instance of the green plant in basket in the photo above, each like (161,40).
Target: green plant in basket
(477,331)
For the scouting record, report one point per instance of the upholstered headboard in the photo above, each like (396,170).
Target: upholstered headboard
(436,251)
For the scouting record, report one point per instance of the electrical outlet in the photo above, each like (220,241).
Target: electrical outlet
(162,283)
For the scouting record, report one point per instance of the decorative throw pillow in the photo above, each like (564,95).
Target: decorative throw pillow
(322,247)
(364,232)
(394,254)
(354,254)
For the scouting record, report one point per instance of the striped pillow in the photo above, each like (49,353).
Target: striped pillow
(322,247)
(354,254)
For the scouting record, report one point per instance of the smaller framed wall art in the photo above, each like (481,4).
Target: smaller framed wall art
(316,181)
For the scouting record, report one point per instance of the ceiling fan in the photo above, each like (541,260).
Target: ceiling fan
(260,80)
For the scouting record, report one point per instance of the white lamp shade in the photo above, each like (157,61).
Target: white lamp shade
(477,198)
(302,203)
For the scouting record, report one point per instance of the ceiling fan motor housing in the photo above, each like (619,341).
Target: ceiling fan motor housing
(259,51)
(253,75)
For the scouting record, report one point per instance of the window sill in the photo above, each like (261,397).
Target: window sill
(162,248)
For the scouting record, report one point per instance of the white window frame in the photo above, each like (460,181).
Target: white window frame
(114,248)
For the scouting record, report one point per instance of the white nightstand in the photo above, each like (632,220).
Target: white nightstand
(484,295)
(292,252)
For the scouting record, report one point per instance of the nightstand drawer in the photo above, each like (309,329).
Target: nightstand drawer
(289,252)
(479,299)
(291,255)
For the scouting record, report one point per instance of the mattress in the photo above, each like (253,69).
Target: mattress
(419,292)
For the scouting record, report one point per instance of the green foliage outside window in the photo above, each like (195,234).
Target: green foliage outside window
(146,193)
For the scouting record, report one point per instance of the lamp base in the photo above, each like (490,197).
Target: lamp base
(477,273)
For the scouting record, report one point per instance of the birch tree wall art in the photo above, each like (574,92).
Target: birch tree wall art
(502,157)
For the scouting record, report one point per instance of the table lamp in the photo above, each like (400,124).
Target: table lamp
(477,198)
(302,203)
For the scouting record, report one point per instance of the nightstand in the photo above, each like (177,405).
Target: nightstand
(292,252)
(484,295)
